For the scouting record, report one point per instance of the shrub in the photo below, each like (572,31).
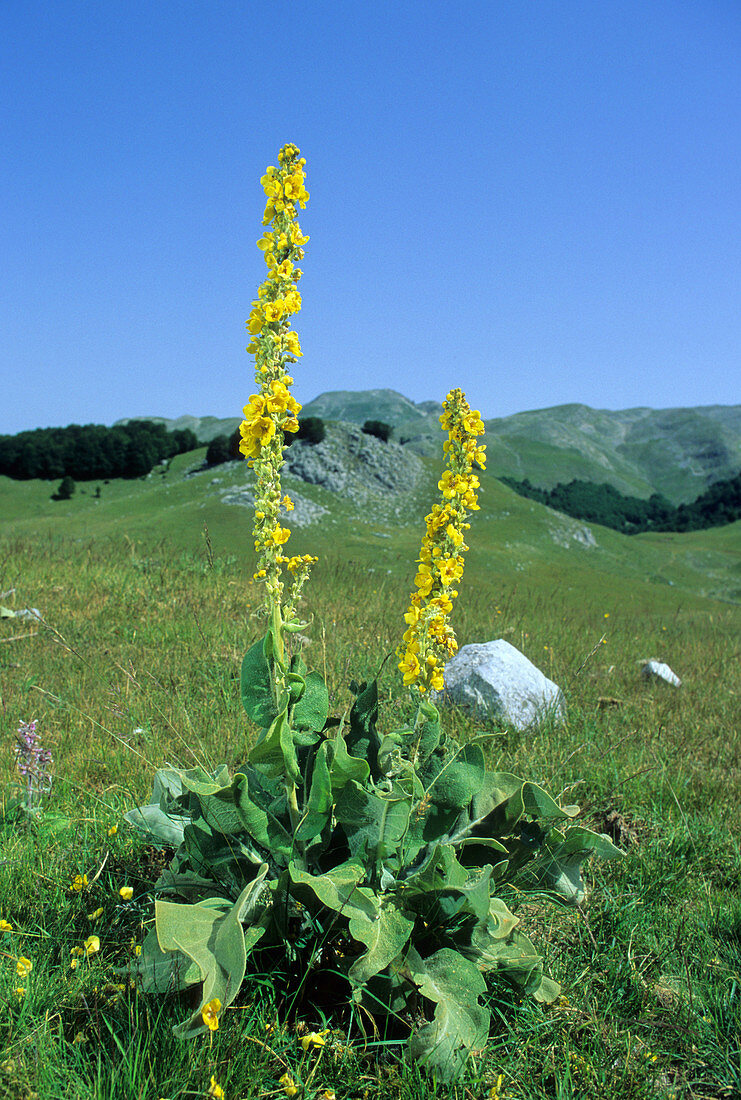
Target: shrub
(218,451)
(378,429)
(311,428)
(65,490)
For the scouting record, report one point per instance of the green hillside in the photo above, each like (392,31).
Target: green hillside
(517,541)
(676,452)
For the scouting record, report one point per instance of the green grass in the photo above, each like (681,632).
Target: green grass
(137,663)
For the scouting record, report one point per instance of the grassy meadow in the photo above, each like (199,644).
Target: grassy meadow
(136,662)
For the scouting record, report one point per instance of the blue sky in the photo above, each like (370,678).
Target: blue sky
(536,201)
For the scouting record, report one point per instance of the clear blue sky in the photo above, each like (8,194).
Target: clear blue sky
(536,200)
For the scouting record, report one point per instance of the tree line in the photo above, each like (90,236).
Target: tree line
(88,451)
(602,503)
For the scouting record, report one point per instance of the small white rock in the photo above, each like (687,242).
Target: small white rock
(495,680)
(657,670)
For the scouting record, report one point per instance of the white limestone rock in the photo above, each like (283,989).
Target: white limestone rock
(495,680)
(657,670)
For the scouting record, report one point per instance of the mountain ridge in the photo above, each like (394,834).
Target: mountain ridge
(676,451)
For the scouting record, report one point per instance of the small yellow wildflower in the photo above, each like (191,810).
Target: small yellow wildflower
(78,951)
(113,830)
(328,1094)
(495,1092)
(20,992)
(96,915)
(23,967)
(73,964)
(138,950)
(289,1085)
(210,1014)
(314,1039)
(215,1090)
(5,926)
(92,945)
(79,882)
(126,892)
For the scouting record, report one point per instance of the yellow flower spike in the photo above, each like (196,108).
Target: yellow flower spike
(138,950)
(210,1014)
(429,640)
(126,892)
(215,1090)
(5,926)
(73,964)
(79,882)
(91,945)
(273,411)
(23,967)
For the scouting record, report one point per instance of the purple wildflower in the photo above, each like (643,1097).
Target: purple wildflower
(33,761)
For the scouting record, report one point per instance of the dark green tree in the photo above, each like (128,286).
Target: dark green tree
(378,429)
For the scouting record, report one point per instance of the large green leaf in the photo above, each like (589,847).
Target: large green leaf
(338,889)
(256,685)
(311,710)
(344,767)
(559,866)
(384,937)
(319,805)
(362,738)
(374,822)
(160,827)
(275,753)
(453,782)
(158,971)
(211,935)
(460,1023)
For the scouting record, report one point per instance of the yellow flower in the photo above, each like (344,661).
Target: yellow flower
(495,1092)
(210,1014)
(92,945)
(78,883)
(113,830)
(76,951)
(328,1094)
(429,641)
(73,964)
(23,967)
(289,1085)
(96,915)
(314,1039)
(5,926)
(215,1090)
(293,347)
(138,950)
(20,992)
(126,892)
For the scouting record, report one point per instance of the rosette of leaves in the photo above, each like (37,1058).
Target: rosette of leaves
(378,859)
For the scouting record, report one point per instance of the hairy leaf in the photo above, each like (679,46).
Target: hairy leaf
(460,1023)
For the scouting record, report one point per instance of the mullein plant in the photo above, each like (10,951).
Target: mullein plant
(370,869)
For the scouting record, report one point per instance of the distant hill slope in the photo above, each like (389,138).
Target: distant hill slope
(676,452)
(206,428)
